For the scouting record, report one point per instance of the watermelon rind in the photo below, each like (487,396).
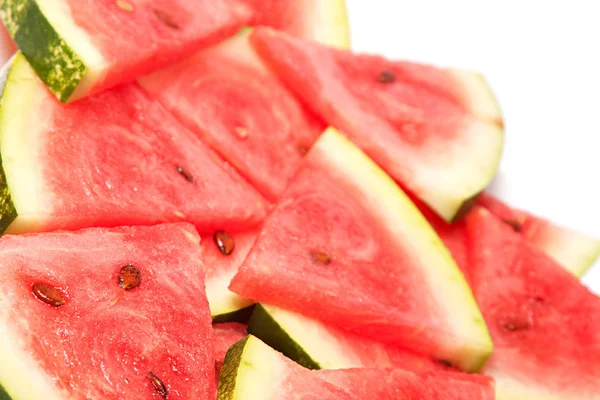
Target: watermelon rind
(224,304)
(482,103)
(60,52)
(234,315)
(293,335)
(336,31)
(18,95)
(248,368)
(3,394)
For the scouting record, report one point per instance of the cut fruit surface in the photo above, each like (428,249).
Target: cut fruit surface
(236,105)
(322,21)
(105,314)
(437,131)
(347,247)
(117,158)
(253,370)
(405,384)
(316,345)
(81,47)
(574,250)
(222,261)
(545,324)
(225,336)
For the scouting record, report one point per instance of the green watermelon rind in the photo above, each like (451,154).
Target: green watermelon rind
(8,211)
(238,315)
(4,395)
(264,326)
(229,372)
(55,62)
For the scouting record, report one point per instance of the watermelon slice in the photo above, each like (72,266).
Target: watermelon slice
(544,323)
(574,250)
(235,104)
(316,345)
(323,21)
(222,263)
(105,314)
(67,44)
(253,370)
(225,336)
(347,247)
(114,159)
(437,131)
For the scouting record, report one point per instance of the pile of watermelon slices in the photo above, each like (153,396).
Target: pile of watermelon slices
(217,199)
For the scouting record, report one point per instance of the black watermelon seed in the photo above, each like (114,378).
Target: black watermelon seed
(129,277)
(513,223)
(185,174)
(224,242)
(48,294)
(321,257)
(166,19)
(446,363)
(159,386)
(302,150)
(386,77)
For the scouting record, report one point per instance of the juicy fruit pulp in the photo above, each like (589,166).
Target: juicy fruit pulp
(105,341)
(344,230)
(543,321)
(236,105)
(573,250)
(436,131)
(252,370)
(112,159)
(81,47)
(323,21)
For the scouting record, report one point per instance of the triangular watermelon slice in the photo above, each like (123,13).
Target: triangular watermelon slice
(67,44)
(437,131)
(574,250)
(236,105)
(316,345)
(323,21)
(545,324)
(346,246)
(253,370)
(117,158)
(105,314)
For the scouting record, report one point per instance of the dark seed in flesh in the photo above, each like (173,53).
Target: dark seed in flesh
(159,386)
(48,294)
(302,150)
(446,363)
(514,325)
(224,242)
(516,225)
(166,19)
(129,277)
(185,174)
(386,77)
(321,257)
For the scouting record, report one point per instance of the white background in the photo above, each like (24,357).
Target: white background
(542,59)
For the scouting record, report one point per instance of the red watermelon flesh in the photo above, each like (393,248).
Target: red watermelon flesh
(235,104)
(334,251)
(405,384)
(135,37)
(545,324)
(225,335)
(573,250)
(415,125)
(117,158)
(103,342)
